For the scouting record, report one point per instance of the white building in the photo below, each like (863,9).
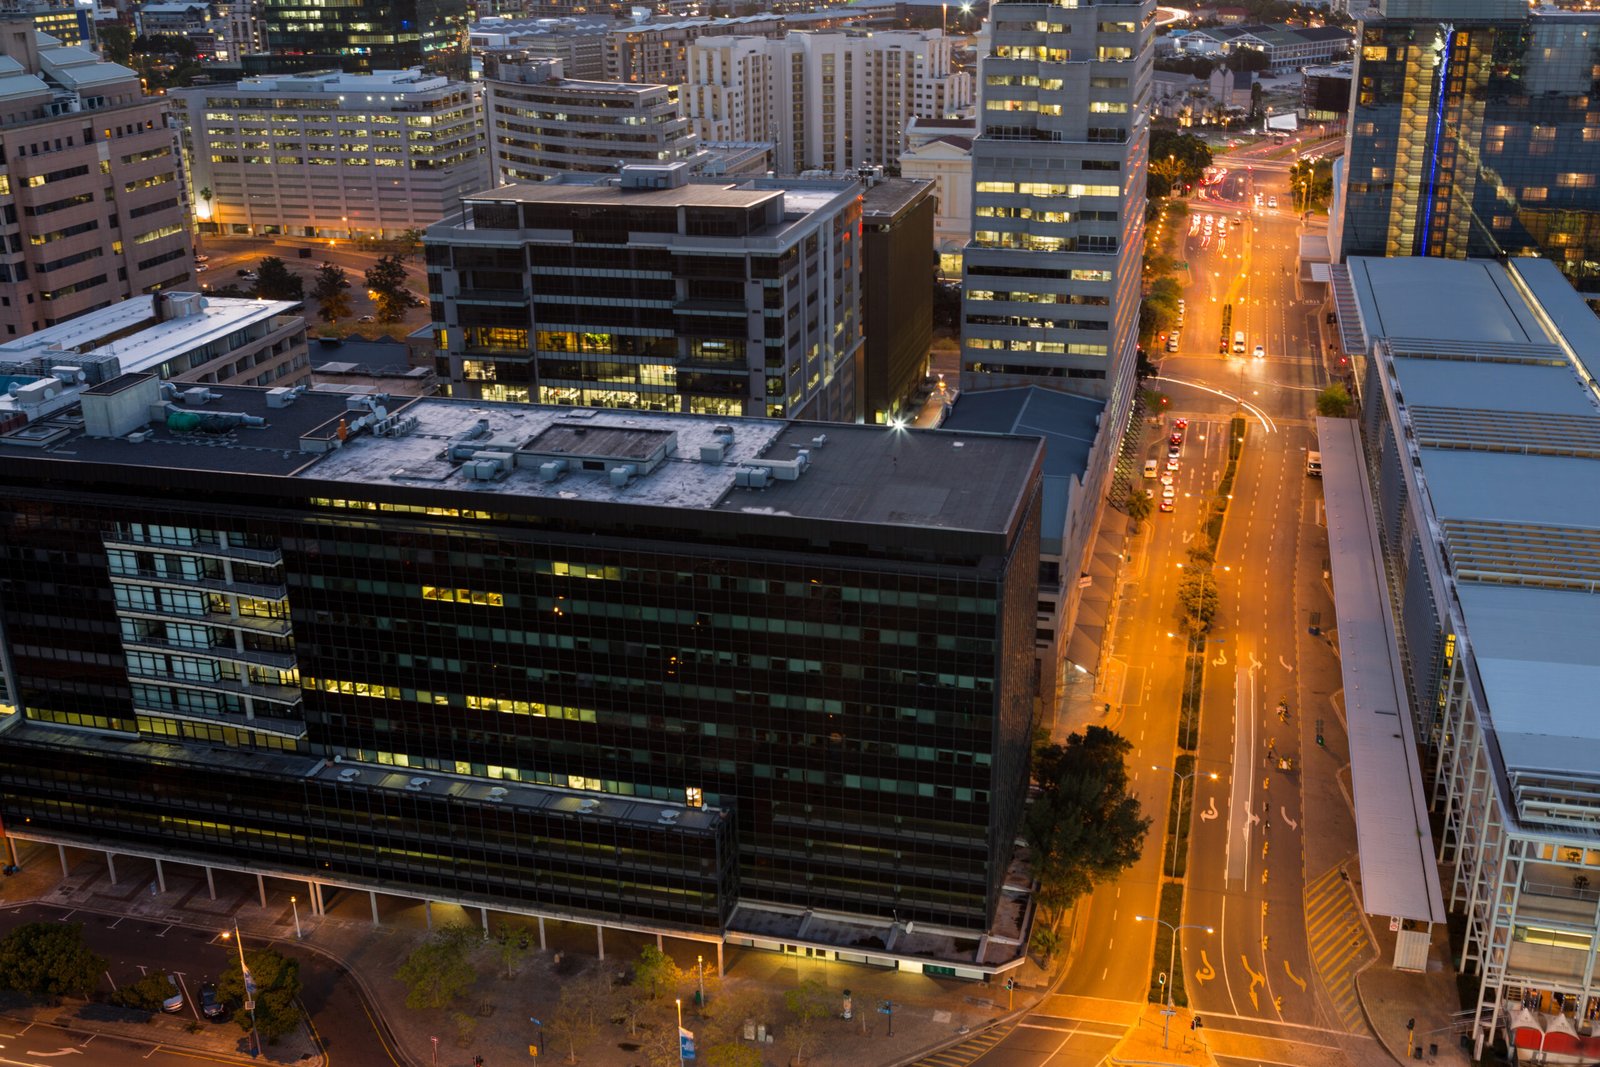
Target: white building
(541,124)
(332,155)
(1477,449)
(1052,274)
(829,101)
(941,152)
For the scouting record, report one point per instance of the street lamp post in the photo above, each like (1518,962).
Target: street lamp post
(249,991)
(1172,959)
(295,905)
(1181,779)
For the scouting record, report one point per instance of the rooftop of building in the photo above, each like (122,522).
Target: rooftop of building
(61,66)
(497,453)
(1496,364)
(887,198)
(129,329)
(338,83)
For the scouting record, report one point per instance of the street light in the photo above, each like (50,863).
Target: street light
(249,991)
(293,904)
(1172,957)
(1181,779)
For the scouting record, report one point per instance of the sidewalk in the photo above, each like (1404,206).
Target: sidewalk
(1391,998)
(493,1019)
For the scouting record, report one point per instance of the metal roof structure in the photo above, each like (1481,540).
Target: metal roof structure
(1399,876)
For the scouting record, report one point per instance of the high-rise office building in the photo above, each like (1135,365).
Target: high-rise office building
(601,665)
(89,179)
(541,124)
(350,155)
(1053,270)
(829,101)
(654,292)
(361,36)
(1474,131)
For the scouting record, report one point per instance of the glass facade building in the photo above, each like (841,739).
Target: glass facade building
(361,37)
(1475,131)
(592,662)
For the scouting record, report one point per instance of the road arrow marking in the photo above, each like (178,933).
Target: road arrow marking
(1301,982)
(1205,973)
(1221,660)
(63,1052)
(1211,810)
(1255,664)
(1292,824)
(1285,664)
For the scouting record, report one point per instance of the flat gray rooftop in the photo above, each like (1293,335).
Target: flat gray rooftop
(1398,873)
(1442,299)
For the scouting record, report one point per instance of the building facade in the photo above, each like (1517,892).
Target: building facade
(1473,132)
(830,101)
(657,53)
(68,21)
(1053,271)
(1480,417)
(941,153)
(598,665)
(579,43)
(361,36)
(541,124)
(896,299)
(332,155)
(656,293)
(89,178)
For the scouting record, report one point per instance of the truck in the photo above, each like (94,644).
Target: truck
(1314,464)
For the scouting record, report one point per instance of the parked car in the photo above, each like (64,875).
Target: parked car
(201,268)
(210,1006)
(366,318)
(174,1003)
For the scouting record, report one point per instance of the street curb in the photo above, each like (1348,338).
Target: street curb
(368,999)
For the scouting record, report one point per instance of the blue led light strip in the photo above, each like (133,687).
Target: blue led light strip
(1438,134)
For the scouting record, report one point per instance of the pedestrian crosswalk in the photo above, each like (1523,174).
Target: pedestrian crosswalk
(1340,947)
(970,1050)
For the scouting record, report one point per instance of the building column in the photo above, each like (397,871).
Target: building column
(600,940)
(374,898)
(427,913)
(61,850)
(719,960)
(211,884)
(311,896)
(111,866)
(541,934)
(659,946)
(485,913)
(261,889)
(322,901)
(11,843)
(161,877)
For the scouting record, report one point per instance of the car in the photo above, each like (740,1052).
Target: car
(1168,490)
(1238,222)
(1168,504)
(201,257)
(1176,438)
(210,1006)
(1151,468)
(1172,343)
(201,268)
(1172,463)
(1261,351)
(1167,477)
(174,1003)
(1180,424)
(366,318)
(1272,202)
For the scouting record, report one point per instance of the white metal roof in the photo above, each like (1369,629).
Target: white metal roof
(1399,876)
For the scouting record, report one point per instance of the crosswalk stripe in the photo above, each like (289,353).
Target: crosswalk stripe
(968,1051)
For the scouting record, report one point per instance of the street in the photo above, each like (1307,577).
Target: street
(134,946)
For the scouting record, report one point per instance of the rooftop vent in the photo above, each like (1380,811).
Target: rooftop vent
(669,815)
(417,785)
(587,806)
(349,774)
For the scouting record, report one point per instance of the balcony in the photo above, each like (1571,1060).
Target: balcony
(210,585)
(114,539)
(278,660)
(277,694)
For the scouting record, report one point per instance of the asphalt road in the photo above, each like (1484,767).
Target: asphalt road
(134,947)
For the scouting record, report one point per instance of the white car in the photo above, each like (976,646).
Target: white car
(200,268)
(1272,202)
(1166,478)
(1261,351)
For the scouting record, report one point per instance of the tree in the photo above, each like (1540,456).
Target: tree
(656,973)
(48,960)
(205,197)
(147,994)
(437,971)
(408,244)
(511,943)
(1248,59)
(1197,596)
(328,290)
(580,1011)
(1176,159)
(1083,827)
(1138,506)
(276,282)
(277,982)
(809,1004)
(1334,401)
(387,280)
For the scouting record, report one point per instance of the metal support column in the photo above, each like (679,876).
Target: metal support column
(600,940)
(542,947)
(211,883)
(261,889)
(374,897)
(111,866)
(61,850)
(161,877)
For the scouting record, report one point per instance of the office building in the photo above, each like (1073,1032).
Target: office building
(181,337)
(656,53)
(1479,446)
(332,155)
(654,292)
(941,152)
(89,178)
(1285,47)
(1325,93)
(238,24)
(361,36)
(541,124)
(896,299)
(687,674)
(188,19)
(1475,132)
(829,101)
(1053,271)
(69,21)
(579,43)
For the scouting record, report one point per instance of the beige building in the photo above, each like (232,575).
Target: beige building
(830,101)
(89,184)
(332,155)
(941,152)
(183,337)
(541,124)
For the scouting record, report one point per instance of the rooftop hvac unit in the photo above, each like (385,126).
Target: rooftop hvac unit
(752,477)
(712,453)
(417,785)
(621,474)
(497,795)
(552,470)
(670,815)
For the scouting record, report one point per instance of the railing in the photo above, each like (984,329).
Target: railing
(1578,890)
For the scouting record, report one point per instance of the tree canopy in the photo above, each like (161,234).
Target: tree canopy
(329,292)
(438,970)
(277,981)
(48,960)
(275,281)
(1083,827)
(1176,159)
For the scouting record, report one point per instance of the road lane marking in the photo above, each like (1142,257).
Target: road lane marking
(1211,809)
(1206,971)
(1301,982)
(1283,812)
(1285,664)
